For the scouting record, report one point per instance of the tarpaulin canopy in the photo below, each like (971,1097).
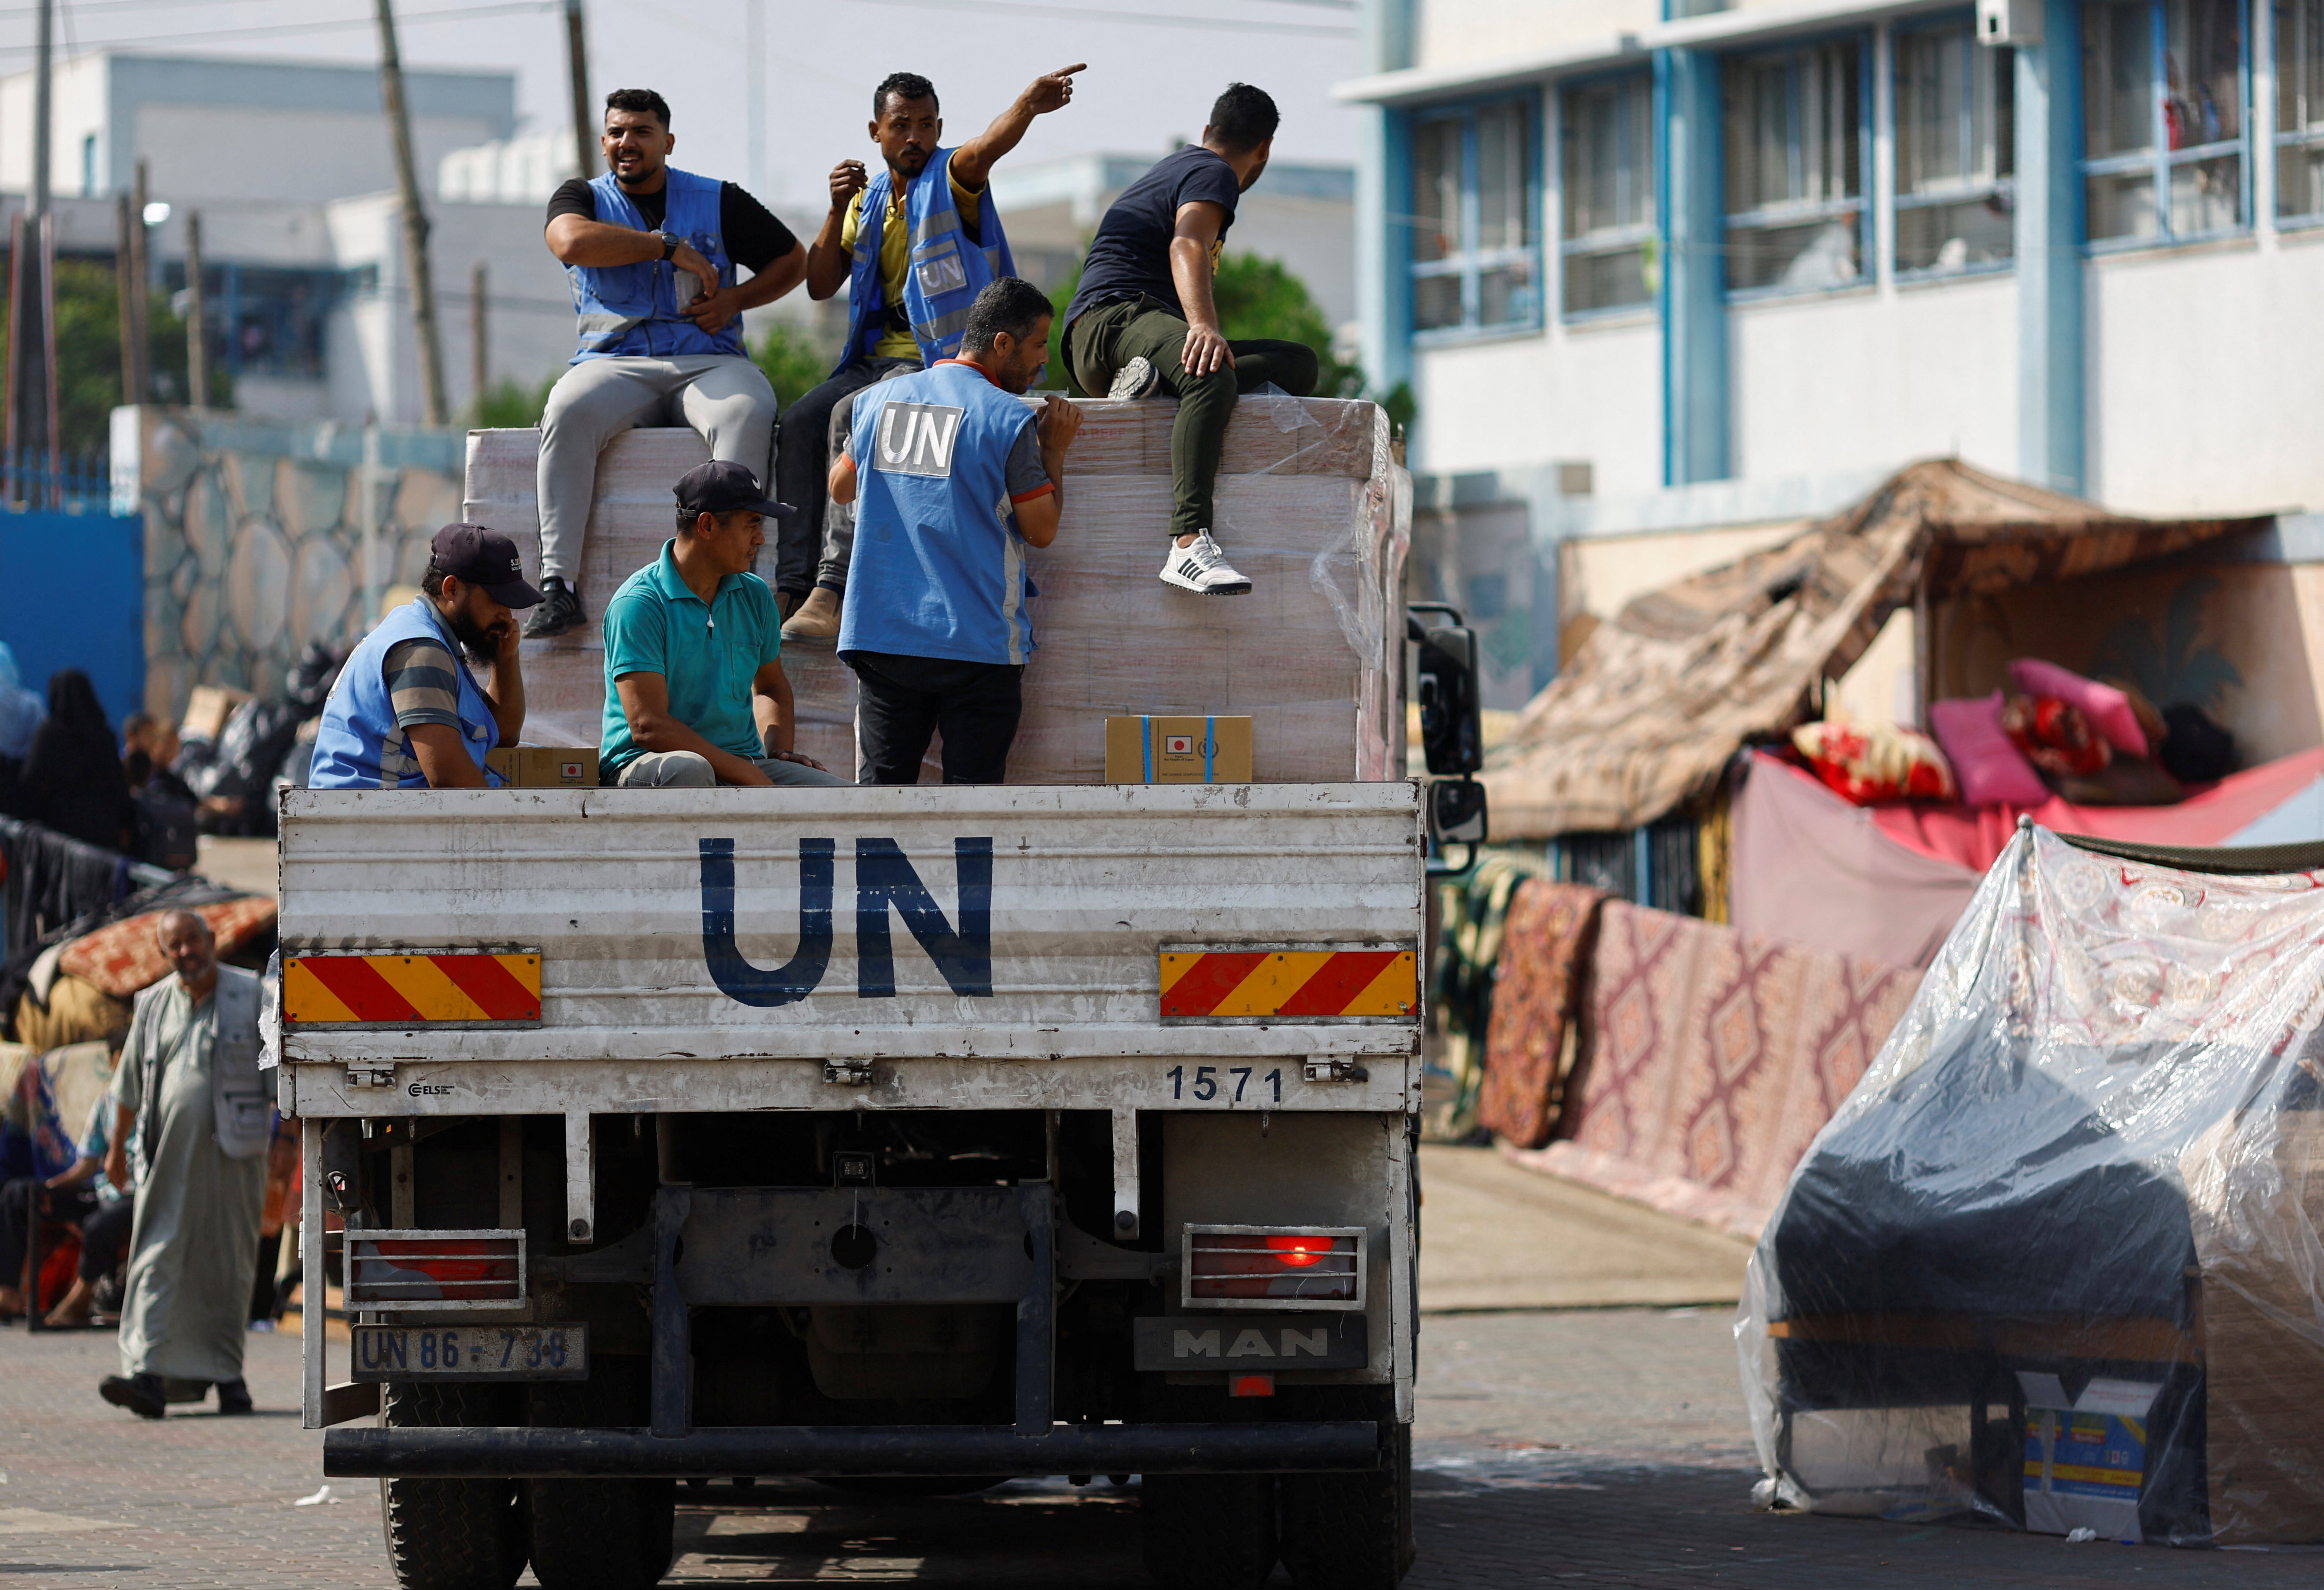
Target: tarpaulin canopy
(1657,700)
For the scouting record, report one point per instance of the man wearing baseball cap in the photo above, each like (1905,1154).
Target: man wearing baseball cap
(695,692)
(405,714)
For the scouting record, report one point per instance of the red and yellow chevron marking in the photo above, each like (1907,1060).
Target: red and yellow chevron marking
(401,989)
(1290,982)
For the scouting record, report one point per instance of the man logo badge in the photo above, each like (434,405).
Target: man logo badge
(916,439)
(1247,1341)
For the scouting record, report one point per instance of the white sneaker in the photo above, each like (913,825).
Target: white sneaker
(1202,568)
(1133,380)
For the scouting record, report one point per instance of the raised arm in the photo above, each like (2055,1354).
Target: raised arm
(827,262)
(1198,226)
(973,161)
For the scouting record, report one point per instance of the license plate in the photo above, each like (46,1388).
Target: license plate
(470,1352)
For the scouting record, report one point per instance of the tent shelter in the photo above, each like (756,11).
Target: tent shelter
(1658,700)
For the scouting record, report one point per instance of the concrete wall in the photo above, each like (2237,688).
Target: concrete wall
(1589,393)
(1450,32)
(253,543)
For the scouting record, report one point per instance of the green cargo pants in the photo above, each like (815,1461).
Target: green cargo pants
(1104,339)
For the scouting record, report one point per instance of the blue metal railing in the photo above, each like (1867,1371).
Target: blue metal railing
(82,483)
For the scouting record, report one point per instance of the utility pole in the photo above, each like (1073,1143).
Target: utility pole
(754,94)
(198,343)
(584,117)
(126,287)
(140,300)
(415,223)
(31,421)
(479,359)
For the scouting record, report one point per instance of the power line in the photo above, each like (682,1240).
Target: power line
(1149,19)
(278,30)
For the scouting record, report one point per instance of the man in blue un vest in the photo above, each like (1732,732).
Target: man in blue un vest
(404,713)
(957,477)
(914,246)
(653,253)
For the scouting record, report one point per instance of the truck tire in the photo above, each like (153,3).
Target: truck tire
(1351,1531)
(1209,1531)
(450,1534)
(601,1534)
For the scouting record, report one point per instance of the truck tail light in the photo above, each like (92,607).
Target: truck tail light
(1273,1267)
(433,1269)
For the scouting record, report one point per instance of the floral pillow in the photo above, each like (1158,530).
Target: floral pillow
(1876,763)
(2056,736)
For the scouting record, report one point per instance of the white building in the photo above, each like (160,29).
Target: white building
(1653,267)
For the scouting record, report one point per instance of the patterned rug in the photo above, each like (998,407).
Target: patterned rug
(1710,1059)
(1545,955)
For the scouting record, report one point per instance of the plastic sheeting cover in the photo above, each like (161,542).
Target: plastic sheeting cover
(2057,1259)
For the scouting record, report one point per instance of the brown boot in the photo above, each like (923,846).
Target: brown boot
(817,618)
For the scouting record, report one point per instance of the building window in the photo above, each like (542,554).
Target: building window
(1955,142)
(1606,169)
(88,165)
(2163,125)
(1475,230)
(1796,137)
(2299,109)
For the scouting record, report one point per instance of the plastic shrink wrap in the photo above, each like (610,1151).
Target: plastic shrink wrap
(2056,1259)
(1310,507)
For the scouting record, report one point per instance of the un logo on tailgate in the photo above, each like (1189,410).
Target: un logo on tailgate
(883,878)
(916,439)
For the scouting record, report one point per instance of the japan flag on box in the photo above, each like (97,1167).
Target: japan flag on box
(1178,745)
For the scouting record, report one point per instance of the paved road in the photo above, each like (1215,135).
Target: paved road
(1591,1447)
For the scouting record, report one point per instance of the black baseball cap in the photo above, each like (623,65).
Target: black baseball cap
(724,487)
(481,556)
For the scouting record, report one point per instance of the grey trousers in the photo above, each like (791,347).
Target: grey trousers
(687,770)
(723,396)
(816,542)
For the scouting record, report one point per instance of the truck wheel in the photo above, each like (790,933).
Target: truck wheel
(450,1534)
(601,1534)
(1351,1531)
(1209,1531)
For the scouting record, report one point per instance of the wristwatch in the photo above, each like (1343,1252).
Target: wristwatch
(669,242)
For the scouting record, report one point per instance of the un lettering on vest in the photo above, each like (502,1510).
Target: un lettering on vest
(916,439)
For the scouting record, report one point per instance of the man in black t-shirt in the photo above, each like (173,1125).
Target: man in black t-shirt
(1144,317)
(653,253)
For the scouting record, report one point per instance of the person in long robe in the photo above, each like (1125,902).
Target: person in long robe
(190,1092)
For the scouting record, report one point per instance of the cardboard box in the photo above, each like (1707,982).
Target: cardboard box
(2086,1458)
(541,767)
(208,707)
(1177,751)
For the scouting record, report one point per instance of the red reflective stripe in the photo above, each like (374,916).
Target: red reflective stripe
(357,983)
(494,988)
(1210,980)
(1343,976)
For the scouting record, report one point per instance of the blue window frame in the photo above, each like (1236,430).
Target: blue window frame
(2165,83)
(1798,147)
(1955,144)
(2300,112)
(1476,226)
(1606,171)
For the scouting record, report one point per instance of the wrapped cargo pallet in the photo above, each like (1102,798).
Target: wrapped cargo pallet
(2056,1259)
(1309,502)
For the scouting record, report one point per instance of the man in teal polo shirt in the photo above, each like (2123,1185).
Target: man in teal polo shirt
(695,692)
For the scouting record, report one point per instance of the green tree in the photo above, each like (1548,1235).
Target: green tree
(508,404)
(793,364)
(88,355)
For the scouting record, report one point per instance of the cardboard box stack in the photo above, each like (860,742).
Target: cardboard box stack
(1309,506)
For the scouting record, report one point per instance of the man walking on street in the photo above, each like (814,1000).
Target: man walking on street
(403,713)
(914,245)
(1143,317)
(957,478)
(653,252)
(189,1091)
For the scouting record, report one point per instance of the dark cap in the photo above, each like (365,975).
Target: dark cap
(723,487)
(480,557)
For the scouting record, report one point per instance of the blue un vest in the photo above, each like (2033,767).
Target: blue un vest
(632,311)
(359,720)
(944,271)
(938,569)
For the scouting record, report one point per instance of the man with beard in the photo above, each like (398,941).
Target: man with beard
(404,715)
(913,244)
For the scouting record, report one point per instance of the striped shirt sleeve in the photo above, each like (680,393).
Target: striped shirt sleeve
(421,685)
